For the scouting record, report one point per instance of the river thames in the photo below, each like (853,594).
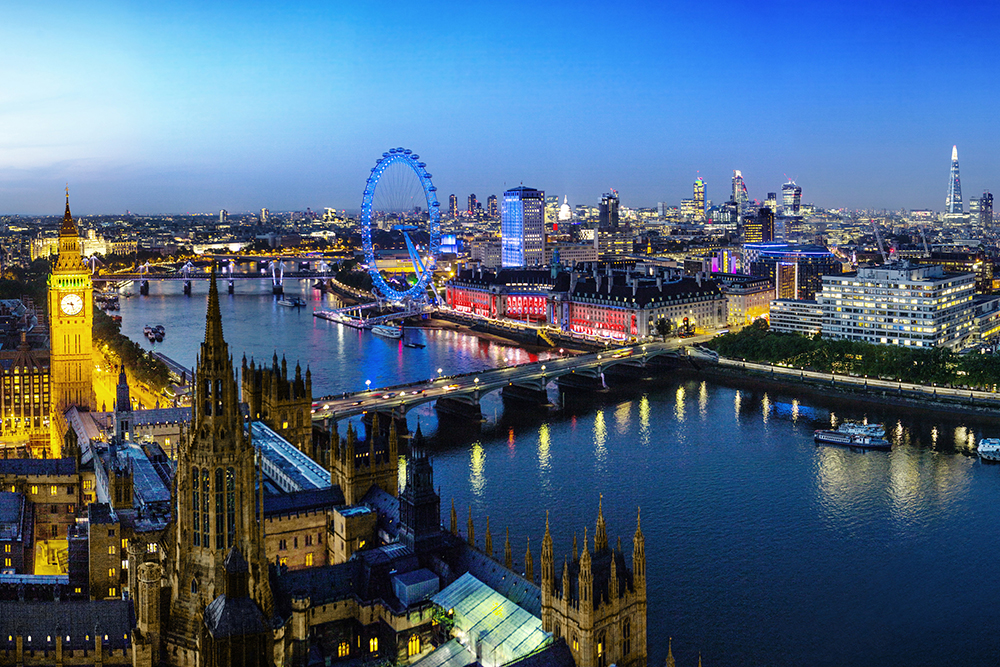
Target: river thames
(762,548)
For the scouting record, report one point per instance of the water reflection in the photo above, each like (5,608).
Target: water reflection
(703,400)
(795,410)
(544,458)
(765,407)
(737,404)
(644,420)
(477,465)
(622,417)
(679,404)
(600,440)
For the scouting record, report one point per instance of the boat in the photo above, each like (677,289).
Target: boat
(387,331)
(292,302)
(419,346)
(159,332)
(989,449)
(859,441)
(149,333)
(854,428)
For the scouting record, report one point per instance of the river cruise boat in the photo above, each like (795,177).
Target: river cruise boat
(850,440)
(854,428)
(989,449)
(292,302)
(387,331)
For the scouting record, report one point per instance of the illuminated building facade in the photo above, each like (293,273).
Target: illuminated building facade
(699,199)
(899,304)
(522,228)
(608,211)
(473,205)
(986,211)
(71,312)
(24,398)
(453,206)
(791,198)
(796,271)
(953,201)
(759,229)
(492,208)
(771,201)
(740,196)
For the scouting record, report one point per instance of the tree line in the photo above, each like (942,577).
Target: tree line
(930,366)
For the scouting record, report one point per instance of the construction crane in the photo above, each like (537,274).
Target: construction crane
(878,239)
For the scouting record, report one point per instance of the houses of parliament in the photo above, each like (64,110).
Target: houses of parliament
(260,541)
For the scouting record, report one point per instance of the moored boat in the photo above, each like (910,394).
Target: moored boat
(387,331)
(850,440)
(854,428)
(292,302)
(989,449)
(414,345)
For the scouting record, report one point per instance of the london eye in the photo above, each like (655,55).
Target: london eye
(401,201)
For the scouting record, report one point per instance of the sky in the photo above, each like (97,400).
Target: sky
(183,106)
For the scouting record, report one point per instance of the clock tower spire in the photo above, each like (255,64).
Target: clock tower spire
(71,312)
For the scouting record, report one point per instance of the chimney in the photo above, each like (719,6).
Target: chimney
(598,278)
(635,286)
(697,277)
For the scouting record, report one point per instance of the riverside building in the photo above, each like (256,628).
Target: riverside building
(899,304)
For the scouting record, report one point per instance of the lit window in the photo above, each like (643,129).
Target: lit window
(343,649)
(111,572)
(373,645)
(111,550)
(283,561)
(6,548)
(414,645)
(309,560)
(34,490)
(6,562)
(53,490)
(112,592)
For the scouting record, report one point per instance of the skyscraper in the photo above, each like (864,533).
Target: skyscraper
(772,201)
(791,198)
(492,209)
(522,228)
(607,215)
(761,228)
(986,211)
(953,202)
(740,197)
(453,206)
(699,199)
(473,204)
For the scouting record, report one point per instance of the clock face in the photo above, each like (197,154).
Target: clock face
(71,304)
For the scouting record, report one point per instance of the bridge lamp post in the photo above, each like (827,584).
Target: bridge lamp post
(439,374)
(368,385)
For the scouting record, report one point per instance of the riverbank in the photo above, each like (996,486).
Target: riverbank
(851,390)
(449,325)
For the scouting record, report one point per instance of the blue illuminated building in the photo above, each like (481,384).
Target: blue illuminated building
(796,271)
(522,228)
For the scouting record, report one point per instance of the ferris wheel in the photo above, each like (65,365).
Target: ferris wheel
(400,197)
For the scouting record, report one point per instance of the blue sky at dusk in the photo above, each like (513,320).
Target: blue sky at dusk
(197,106)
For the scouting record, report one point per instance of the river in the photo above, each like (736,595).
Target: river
(762,548)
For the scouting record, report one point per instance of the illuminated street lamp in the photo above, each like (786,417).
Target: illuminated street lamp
(368,385)
(439,373)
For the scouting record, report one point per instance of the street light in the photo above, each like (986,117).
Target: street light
(368,385)
(439,373)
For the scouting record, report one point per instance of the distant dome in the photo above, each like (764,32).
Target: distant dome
(564,211)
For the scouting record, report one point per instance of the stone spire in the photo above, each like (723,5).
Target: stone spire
(454,518)
(565,581)
(529,563)
(586,584)
(639,555)
(601,534)
(576,551)
(68,227)
(670,653)
(508,559)
(489,538)
(471,535)
(548,563)
(213,321)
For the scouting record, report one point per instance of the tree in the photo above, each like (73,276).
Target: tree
(663,327)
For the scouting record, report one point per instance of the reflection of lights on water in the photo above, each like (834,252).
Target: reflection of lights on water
(934,437)
(833,420)
(765,406)
(600,437)
(703,400)
(737,403)
(544,455)
(964,438)
(622,418)
(795,410)
(510,440)
(477,463)
(679,404)
(644,420)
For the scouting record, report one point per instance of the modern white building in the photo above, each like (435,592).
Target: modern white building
(796,316)
(899,304)
(522,228)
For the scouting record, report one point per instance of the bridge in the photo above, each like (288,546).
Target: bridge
(460,394)
(274,271)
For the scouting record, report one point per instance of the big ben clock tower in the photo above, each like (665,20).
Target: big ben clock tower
(71,313)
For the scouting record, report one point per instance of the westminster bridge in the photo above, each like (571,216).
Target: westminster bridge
(460,394)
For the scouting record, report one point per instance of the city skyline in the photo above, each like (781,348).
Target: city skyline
(206,107)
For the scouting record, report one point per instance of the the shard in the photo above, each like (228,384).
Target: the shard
(953,203)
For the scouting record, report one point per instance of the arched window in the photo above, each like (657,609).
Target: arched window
(230,506)
(373,645)
(414,645)
(206,490)
(194,587)
(626,637)
(601,657)
(343,649)
(207,399)
(195,506)
(220,514)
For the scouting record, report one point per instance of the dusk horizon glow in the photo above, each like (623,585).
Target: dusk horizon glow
(199,107)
